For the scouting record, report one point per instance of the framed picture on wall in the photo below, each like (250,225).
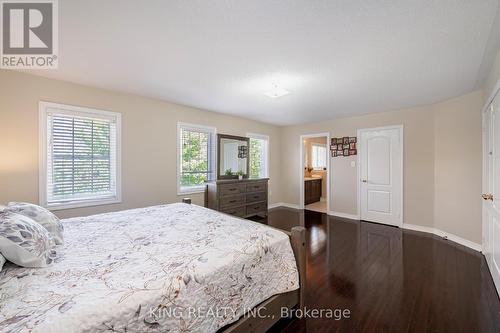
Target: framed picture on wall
(346,140)
(334,153)
(333,147)
(352,151)
(345,146)
(352,145)
(346,152)
(352,139)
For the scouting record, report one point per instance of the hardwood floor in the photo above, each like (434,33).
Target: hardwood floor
(391,280)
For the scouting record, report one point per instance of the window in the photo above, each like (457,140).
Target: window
(318,157)
(259,166)
(196,150)
(80,156)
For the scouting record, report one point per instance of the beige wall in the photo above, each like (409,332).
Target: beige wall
(434,137)
(458,166)
(148,140)
(419,161)
(442,151)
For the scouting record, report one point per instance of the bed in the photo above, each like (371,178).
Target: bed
(176,267)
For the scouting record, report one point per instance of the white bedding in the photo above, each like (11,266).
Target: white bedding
(127,271)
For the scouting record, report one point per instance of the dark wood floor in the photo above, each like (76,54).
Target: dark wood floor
(391,280)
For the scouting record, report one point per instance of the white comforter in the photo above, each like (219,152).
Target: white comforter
(176,267)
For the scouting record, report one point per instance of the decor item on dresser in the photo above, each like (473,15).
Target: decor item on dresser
(243,198)
(345,146)
(232,156)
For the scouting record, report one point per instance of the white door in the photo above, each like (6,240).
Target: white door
(381,174)
(491,188)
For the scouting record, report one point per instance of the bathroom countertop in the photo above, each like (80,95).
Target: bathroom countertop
(311,178)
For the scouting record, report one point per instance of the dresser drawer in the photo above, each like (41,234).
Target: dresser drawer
(256,208)
(256,187)
(257,196)
(232,200)
(228,189)
(236,211)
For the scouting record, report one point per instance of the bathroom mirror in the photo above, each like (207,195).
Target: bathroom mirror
(233,156)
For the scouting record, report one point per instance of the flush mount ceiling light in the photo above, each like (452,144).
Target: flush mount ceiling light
(276,92)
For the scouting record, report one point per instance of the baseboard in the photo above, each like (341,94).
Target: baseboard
(441,233)
(344,215)
(429,230)
(283,204)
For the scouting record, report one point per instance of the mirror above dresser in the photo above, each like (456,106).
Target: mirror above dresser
(232,156)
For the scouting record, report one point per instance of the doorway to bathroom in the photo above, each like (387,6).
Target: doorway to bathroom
(315,172)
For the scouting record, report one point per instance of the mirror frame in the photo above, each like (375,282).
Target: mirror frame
(234,137)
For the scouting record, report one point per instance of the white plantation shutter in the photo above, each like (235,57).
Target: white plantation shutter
(81,157)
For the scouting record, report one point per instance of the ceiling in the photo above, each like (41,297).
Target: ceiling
(336,57)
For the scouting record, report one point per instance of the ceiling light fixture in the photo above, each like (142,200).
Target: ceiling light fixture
(276,92)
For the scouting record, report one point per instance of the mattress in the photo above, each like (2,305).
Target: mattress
(173,268)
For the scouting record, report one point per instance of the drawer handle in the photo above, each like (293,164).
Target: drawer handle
(232,201)
(232,189)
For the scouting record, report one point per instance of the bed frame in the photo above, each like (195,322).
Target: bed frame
(270,310)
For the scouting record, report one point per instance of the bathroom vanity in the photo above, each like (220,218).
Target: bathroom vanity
(312,190)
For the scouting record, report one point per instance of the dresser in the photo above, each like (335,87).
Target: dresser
(242,198)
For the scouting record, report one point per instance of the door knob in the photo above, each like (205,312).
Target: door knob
(364,180)
(488,196)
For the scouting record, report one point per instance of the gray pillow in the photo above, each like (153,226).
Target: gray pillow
(41,215)
(25,242)
(2,261)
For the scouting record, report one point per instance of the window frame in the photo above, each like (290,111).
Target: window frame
(313,144)
(200,188)
(77,111)
(268,155)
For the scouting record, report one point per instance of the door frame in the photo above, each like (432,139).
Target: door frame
(301,176)
(485,169)
(358,157)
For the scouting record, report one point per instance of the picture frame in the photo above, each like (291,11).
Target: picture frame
(345,146)
(352,151)
(345,140)
(346,152)
(334,153)
(352,145)
(352,139)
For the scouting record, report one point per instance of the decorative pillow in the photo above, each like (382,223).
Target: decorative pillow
(2,261)
(25,242)
(41,215)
